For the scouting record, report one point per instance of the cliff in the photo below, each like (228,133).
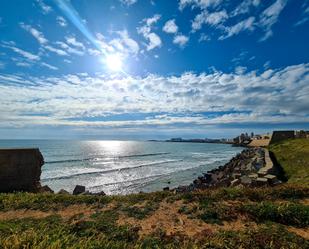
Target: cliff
(20,169)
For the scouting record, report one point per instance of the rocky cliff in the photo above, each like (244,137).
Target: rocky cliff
(20,169)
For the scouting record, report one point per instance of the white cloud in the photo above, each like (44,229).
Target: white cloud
(129,45)
(202,4)
(128,2)
(23,64)
(153,39)
(244,7)
(35,33)
(45,45)
(170,27)
(305,14)
(122,44)
(70,49)
(55,50)
(45,8)
(29,56)
(247,24)
(213,19)
(204,37)
(61,21)
(273,96)
(270,16)
(49,66)
(181,40)
(72,41)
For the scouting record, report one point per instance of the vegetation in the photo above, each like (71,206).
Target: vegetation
(293,156)
(275,217)
(220,218)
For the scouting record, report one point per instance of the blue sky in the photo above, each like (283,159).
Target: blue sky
(139,69)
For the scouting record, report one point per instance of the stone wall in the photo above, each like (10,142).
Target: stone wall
(20,169)
(281,135)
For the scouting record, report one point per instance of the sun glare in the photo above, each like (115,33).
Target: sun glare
(113,62)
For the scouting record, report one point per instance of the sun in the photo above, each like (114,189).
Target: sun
(114,62)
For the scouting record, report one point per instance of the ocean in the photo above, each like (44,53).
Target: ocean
(122,167)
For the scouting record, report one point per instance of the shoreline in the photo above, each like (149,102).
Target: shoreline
(252,167)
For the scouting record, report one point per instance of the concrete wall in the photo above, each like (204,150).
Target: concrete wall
(281,135)
(20,169)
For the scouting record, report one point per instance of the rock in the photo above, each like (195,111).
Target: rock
(235,182)
(102,193)
(245,180)
(63,192)
(271,178)
(253,176)
(237,175)
(261,181)
(166,189)
(79,189)
(20,170)
(45,189)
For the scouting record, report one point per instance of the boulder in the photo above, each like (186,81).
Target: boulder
(79,189)
(45,189)
(102,193)
(245,180)
(20,169)
(166,189)
(235,182)
(271,178)
(261,181)
(63,192)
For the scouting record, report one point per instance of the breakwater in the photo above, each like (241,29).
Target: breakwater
(252,167)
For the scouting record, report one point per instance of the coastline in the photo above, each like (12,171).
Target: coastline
(252,167)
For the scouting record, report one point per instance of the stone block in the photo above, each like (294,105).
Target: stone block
(20,169)
(79,189)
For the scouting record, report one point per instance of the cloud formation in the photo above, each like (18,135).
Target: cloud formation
(61,21)
(35,33)
(272,96)
(181,40)
(146,30)
(270,16)
(170,27)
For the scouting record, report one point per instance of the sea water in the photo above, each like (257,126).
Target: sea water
(122,167)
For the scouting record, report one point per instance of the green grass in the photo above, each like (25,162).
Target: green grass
(293,156)
(52,232)
(285,213)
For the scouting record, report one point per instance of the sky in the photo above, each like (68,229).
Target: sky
(152,69)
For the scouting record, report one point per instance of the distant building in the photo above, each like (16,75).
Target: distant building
(281,135)
(257,137)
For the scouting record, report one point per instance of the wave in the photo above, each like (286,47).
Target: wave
(96,158)
(109,170)
(153,177)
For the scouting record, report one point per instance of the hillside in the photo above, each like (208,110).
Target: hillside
(293,156)
(230,218)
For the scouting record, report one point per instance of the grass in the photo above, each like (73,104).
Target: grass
(293,156)
(281,206)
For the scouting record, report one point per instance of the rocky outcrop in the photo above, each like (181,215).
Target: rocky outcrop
(20,170)
(79,189)
(252,167)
